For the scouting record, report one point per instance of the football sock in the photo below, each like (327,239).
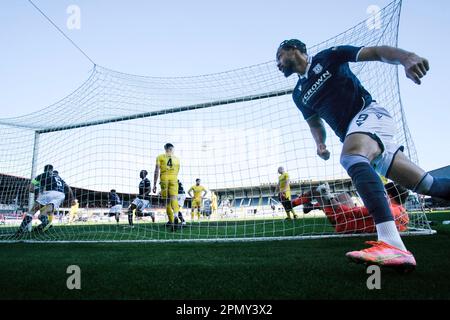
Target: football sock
(435,187)
(26,220)
(388,233)
(130,218)
(371,189)
(45,221)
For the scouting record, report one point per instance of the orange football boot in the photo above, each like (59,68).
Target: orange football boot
(384,255)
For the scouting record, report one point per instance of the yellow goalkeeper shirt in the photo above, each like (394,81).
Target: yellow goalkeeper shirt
(283,182)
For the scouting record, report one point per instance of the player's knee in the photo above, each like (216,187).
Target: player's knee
(349,160)
(47,209)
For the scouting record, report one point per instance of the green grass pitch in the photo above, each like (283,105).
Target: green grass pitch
(295,269)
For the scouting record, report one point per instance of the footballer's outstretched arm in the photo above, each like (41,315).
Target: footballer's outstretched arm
(415,67)
(320,136)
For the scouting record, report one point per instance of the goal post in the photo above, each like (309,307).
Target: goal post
(231,129)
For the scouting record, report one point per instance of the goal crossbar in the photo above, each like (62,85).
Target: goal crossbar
(205,105)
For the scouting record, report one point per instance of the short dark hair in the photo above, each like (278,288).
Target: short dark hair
(145,172)
(48,167)
(113,190)
(198,179)
(293,44)
(168,145)
(55,172)
(398,193)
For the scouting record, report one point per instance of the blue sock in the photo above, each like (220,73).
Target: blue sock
(44,220)
(372,191)
(440,188)
(435,187)
(26,220)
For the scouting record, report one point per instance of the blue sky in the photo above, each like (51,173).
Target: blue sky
(176,38)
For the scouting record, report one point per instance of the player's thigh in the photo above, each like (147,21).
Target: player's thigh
(132,207)
(288,196)
(405,172)
(136,205)
(47,209)
(173,189)
(164,184)
(362,144)
(139,213)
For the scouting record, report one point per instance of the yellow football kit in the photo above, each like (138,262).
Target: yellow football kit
(285,188)
(169,167)
(73,212)
(284,185)
(197,200)
(213,203)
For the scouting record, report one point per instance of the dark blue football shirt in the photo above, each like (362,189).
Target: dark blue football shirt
(48,181)
(144,189)
(114,199)
(180,188)
(331,90)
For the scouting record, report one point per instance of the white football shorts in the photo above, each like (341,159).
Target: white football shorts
(51,197)
(376,122)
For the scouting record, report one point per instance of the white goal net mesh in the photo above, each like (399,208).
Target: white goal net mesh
(232,130)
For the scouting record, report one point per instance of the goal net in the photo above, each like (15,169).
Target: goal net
(232,130)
